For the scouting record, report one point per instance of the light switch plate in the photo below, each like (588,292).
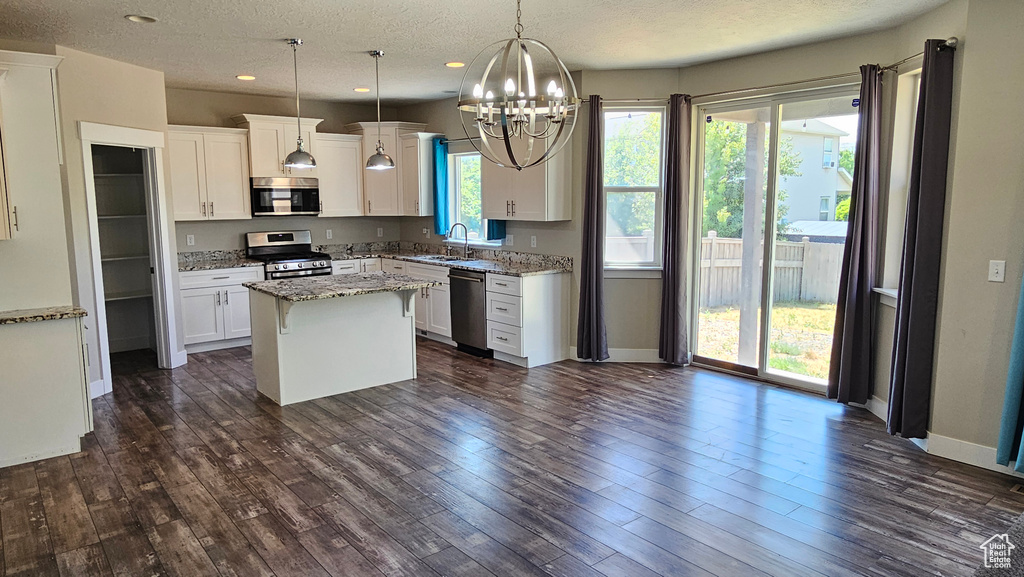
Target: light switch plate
(996,270)
(190,239)
(380,231)
(533,241)
(330,234)
(508,240)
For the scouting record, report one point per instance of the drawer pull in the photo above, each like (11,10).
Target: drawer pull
(502,339)
(221,277)
(504,310)
(501,284)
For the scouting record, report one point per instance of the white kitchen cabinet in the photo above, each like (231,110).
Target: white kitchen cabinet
(272,139)
(394,266)
(370,264)
(209,171)
(340,168)
(201,315)
(345,267)
(215,307)
(416,171)
(382,189)
(433,304)
(538,193)
(528,318)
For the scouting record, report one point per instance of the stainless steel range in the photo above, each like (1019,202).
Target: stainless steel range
(287,254)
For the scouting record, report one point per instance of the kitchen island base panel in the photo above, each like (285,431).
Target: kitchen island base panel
(331,346)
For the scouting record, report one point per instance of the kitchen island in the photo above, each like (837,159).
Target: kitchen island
(318,336)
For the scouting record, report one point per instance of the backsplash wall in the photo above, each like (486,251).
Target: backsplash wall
(230,234)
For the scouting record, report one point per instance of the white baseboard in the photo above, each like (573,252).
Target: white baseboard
(964,452)
(878,408)
(179,358)
(436,337)
(624,356)
(217,345)
(70,448)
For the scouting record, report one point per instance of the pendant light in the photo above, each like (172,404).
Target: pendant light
(518,102)
(299,158)
(379,161)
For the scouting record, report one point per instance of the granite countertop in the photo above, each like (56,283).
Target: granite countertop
(214,260)
(472,264)
(329,287)
(42,314)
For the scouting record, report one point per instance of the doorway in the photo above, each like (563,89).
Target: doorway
(133,261)
(774,188)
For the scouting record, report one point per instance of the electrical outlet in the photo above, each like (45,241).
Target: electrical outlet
(380,231)
(330,234)
(508,240)
(533,241)
(426,232)
(190,239)
(996,270)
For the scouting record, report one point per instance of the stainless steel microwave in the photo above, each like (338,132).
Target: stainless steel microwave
(285,196)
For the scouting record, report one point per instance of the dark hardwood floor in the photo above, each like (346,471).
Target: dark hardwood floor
(479,468)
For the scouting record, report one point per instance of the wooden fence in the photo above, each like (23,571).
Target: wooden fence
(804,271)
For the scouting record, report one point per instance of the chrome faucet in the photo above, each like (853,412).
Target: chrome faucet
(448,238)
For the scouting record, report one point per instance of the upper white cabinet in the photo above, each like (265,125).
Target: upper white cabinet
(537,193)
(383,190)
(340,165)
(272,139)
(416,170)
(209,170)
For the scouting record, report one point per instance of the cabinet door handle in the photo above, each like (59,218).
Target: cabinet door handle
(502,339)
(508,208)
(504,310)
(16,227)
(226,301)
(321,206)
(211,209)
(204,209)
(513,208)
(370,203)
(218,298)
(417,207)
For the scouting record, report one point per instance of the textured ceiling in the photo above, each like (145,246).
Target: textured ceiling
(203,44)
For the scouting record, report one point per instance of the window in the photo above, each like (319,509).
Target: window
(823,208)
(633,186)
(464,188)
(828,156)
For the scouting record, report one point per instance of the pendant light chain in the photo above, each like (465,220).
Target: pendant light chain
(376,68)
(519,17)
(298,112)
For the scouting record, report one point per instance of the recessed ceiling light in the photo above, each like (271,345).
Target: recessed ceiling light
(245,77)
(361,89)
(140,19)
(455,64)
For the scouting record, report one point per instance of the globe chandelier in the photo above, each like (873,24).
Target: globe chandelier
(505,117)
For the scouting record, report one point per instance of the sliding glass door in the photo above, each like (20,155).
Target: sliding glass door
(774,188)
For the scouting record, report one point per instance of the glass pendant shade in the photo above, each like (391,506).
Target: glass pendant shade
(299,158)
(518,102)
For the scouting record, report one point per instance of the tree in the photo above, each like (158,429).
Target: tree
(846,159)
(632,158)
(469,192)
(724,174)
(843,209)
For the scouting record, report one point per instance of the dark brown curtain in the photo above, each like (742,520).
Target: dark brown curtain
(849,378)
(591,338)
(674,344)
(913,350)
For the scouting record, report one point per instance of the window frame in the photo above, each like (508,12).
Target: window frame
(828,153)
(643,269)
(826,202)
(455,202)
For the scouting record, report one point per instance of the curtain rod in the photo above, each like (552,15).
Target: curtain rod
(950,42)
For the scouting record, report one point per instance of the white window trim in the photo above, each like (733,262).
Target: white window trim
(453,206)
(644,269)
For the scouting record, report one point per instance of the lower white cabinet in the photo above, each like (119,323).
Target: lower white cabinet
(356,265)
(394,266)
(370,264)
(528,318)
(215,305)
(433,304)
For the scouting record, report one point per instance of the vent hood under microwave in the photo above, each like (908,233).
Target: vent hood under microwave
(285,196)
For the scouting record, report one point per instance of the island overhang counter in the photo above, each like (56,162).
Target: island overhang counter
(318,336)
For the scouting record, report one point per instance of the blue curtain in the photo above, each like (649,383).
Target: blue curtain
(441,209)
(495,229)
(1013,410)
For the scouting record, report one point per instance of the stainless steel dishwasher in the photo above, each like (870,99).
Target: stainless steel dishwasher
(469,311)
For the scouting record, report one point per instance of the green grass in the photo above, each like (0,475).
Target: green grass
(801,336)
